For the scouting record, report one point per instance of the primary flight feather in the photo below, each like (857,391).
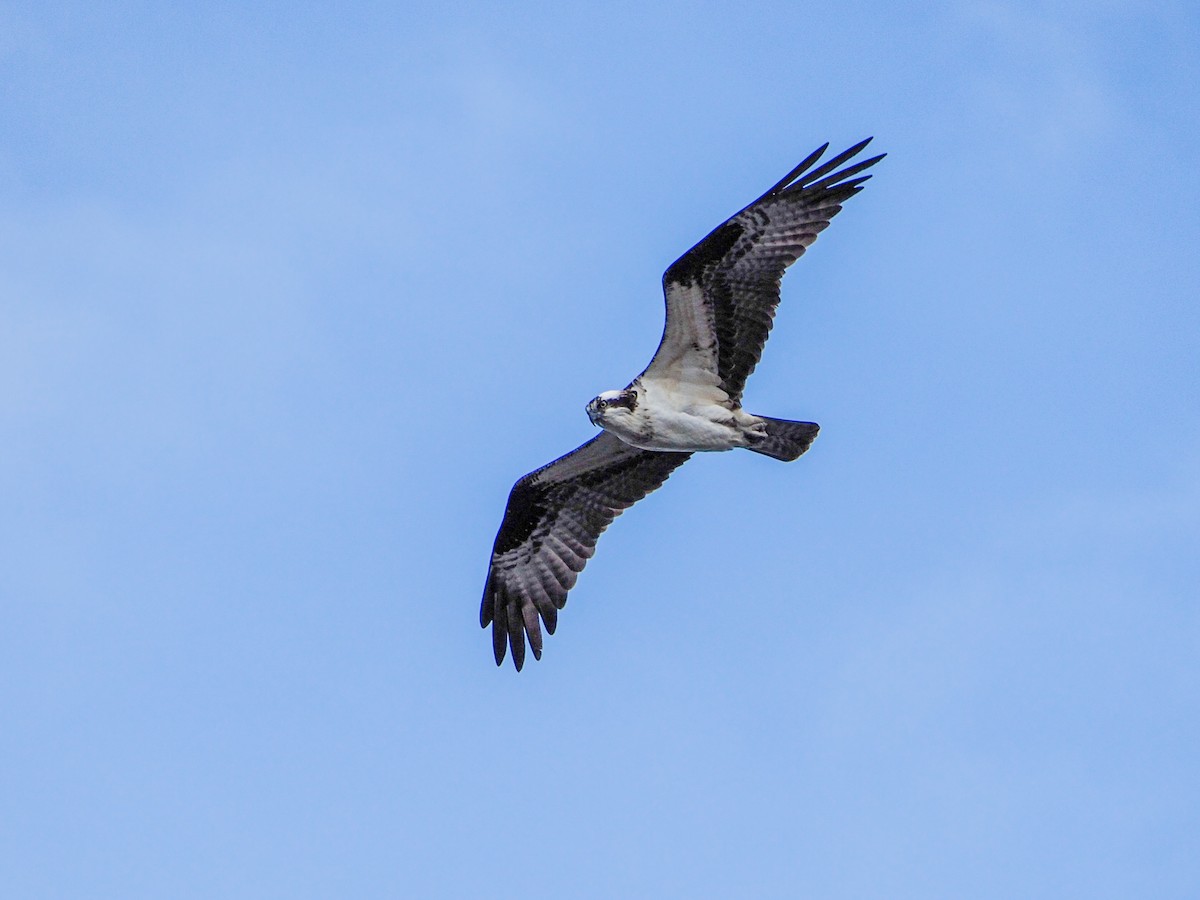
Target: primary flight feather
(721,299)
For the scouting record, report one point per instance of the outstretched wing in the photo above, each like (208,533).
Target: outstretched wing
(722,294)
(553,519)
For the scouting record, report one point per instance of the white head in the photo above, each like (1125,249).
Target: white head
(612,404)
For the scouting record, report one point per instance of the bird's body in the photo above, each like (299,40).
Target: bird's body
(721,298)
(670,414)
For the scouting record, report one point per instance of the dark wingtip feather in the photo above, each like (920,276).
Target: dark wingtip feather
(840,193)
(830,165)
(499,642)
(487,605)
(855,182)
(834,180)
(533,628)
(516,635)
(796,172)
(800,178)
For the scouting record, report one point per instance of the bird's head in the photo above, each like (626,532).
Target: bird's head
(611,404)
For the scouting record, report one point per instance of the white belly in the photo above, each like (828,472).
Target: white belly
(687,418)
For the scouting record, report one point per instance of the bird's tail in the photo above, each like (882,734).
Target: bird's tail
(786,440)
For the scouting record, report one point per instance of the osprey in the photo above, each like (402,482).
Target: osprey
(721,299)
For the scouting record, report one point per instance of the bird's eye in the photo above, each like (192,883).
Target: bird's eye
(603,403)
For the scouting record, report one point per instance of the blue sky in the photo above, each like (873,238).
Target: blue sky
(289,297)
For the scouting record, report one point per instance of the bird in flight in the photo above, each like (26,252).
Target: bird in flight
(721,298)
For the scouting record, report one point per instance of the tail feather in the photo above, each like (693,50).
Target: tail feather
(786,440)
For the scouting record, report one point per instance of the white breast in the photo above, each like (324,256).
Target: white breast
(679,415)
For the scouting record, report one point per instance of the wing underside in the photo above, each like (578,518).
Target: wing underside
(721,295)
(551,524)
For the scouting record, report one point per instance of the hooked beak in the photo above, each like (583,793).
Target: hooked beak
(591,411)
